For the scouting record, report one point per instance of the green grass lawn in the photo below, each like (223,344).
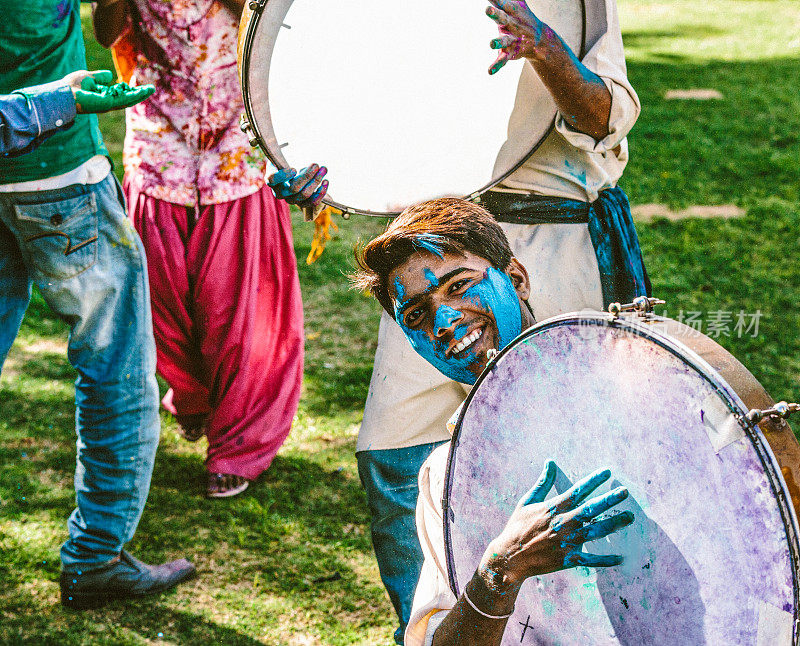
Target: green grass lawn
(290,562)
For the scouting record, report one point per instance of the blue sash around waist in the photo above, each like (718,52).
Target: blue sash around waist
(619,258)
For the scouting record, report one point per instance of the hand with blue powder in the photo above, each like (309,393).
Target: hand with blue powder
(541,536)
(544,536)
(582,97)
(305,189)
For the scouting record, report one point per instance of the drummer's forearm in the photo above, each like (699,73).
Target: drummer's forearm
(580,94)
(109,20)
(235,6)
(465,625)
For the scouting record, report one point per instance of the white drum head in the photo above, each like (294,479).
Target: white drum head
(393,97)
(712,555)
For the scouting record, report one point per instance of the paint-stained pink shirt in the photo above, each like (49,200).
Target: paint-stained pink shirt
(184,145)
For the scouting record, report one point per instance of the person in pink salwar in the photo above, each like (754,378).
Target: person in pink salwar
(227,309)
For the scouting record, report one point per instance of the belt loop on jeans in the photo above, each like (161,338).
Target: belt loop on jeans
(514,208)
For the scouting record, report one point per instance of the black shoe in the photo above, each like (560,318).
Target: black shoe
(123,578)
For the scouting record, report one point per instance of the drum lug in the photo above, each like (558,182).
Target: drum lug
(781,409)
(641,305)
(256,4)
(247,129)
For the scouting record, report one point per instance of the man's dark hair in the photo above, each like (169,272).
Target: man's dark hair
(444,225)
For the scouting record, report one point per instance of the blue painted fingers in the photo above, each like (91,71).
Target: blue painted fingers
(600,504)
(580,491)
(520,31)
(542,487)
(306,188)
(574,559)
(575,515)
(604,527)
(581,520)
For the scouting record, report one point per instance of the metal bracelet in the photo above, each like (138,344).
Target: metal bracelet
(485,614)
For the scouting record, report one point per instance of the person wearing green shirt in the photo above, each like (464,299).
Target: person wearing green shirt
(64,228)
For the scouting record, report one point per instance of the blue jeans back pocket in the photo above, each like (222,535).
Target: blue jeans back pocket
(59,238)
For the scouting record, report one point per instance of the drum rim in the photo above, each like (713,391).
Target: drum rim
(252,26)
(765,455)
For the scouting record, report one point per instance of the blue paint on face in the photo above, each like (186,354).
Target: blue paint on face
(431,278)
(445,317)
(400,291)
(434,352)
(495,294)
(431,243)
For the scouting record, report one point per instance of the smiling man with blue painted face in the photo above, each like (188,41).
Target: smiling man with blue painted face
(445,272)
(454,308)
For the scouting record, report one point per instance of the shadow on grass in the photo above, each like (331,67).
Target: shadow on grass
(295,532)
(150,621)
(651,39)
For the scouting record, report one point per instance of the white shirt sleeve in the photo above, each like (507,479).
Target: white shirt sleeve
(606,58)
(433,594)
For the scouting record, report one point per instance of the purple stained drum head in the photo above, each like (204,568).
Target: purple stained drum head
(712,556)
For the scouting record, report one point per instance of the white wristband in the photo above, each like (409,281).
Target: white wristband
(481,612)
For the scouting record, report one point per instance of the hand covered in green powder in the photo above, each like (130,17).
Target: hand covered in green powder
(97,92)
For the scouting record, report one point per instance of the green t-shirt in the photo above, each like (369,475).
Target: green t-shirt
(42,41)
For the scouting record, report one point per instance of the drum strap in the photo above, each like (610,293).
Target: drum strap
(619,258)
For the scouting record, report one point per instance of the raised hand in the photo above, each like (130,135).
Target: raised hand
(97,92)
(520,32)
(305,189)
(546,536)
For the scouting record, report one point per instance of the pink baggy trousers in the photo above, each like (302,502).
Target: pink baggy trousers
(228,320)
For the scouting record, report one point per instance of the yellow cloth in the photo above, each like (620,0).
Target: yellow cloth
(124,57)
(323,223)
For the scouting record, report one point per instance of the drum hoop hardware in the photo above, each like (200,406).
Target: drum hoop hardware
(729,397)
(780,410)
(641,305)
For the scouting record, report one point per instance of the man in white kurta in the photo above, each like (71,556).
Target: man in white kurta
(445,271)
(561,257)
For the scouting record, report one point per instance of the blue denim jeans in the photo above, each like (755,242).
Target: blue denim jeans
(389,477)
(82,252)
